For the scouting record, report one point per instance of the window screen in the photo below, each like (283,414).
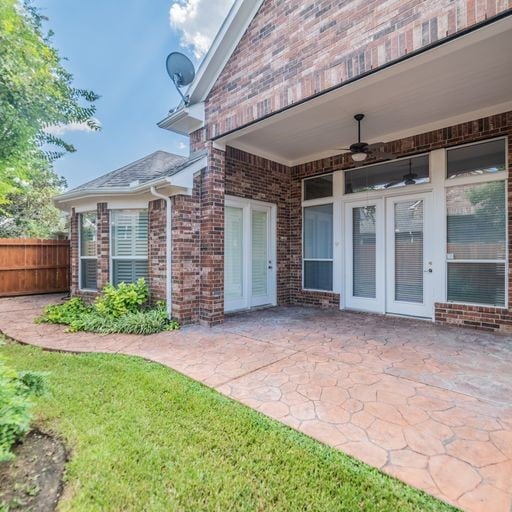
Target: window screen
(316,188)
(129,244)
(318,242)
(476,159)
(88,251)
(476,245)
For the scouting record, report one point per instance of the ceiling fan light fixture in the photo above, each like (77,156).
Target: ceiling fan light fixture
(359,157)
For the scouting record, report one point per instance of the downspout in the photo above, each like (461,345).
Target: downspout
(168,243)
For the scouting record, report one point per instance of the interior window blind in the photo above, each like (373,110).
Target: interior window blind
(364,251)
(476,244)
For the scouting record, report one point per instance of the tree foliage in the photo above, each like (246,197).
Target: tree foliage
(36,93)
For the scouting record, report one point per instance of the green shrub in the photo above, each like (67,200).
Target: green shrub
(121,309)
(15,391)
(64,313)
(124,298)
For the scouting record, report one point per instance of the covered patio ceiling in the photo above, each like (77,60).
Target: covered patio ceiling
(466,78)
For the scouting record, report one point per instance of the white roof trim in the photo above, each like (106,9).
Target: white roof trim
(181,183)
(184,120)
(223,46)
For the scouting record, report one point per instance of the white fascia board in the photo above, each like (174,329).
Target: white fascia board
(185,178)
(185,120)
(223,46)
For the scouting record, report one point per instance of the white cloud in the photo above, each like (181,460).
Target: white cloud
(198,22)
(181,145)
(61,129)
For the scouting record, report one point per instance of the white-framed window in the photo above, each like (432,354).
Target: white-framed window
(318,187)
(88,239)
(128,245)
(476,213)
(317,245)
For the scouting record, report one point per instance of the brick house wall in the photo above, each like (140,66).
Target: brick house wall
(252,177)
(294,49)
(157,249)
(186,274)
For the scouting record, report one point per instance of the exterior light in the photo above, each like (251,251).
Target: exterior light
(359,157)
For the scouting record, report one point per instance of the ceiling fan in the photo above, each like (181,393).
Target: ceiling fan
(407,179)
(361,150)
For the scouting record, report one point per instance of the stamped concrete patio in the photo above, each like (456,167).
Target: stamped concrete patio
(430,405)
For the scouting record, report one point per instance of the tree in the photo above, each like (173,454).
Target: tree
(29,211)
(36,92)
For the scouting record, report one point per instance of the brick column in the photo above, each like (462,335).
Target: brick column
(157,249)
(186,283)
(103,245)
(211,303)
(73,226)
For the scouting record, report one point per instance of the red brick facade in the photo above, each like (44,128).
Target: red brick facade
(157,249)
(186,274)
(294,49)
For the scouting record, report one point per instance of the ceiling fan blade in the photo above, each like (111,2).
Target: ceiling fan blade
(341,149)
(392,183)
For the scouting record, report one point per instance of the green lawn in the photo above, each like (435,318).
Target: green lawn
(145,438)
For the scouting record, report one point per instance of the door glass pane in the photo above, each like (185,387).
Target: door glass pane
(364,251)
(233,257)
(409,251)
(259,253)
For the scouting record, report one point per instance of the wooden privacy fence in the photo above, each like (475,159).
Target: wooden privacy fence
(29,266)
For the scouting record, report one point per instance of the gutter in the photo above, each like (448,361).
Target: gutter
(168,249)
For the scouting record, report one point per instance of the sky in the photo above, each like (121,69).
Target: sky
(118,49)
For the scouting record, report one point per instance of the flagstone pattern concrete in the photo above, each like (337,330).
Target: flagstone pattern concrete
(430,405)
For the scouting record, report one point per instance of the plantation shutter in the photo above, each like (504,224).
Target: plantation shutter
(129,232)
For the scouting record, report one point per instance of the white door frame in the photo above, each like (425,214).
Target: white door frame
(248,206)
(426,308)
(377,304)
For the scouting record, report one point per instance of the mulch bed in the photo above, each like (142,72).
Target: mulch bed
(33,480)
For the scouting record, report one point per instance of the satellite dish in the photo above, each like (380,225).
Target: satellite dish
(181,70)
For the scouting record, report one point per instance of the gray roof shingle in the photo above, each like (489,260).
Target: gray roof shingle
(150,167)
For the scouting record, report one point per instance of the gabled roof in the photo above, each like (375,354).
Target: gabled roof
(147,168)
(159,169)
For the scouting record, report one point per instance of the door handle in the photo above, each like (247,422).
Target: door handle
(428,271)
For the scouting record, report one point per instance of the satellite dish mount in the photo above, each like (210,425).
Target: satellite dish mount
(182,72)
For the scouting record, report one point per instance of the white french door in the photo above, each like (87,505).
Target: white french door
(388,265)
(409,259)
(364,269)
(249,254)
